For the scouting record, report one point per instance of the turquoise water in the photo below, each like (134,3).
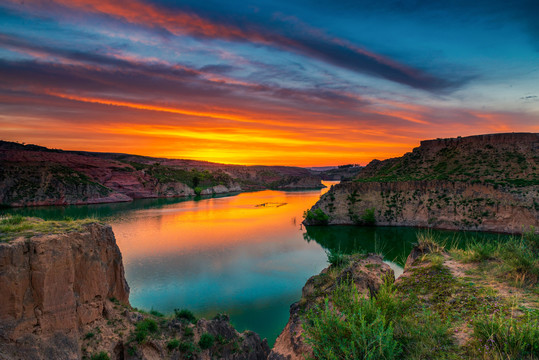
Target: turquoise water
(246,255)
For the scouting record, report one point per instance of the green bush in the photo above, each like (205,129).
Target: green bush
(504,338)
(368,217)
(337,258)
(188,332)
(206,341)
(184,314)
(316,217)
(156,313)
(188,349)
(100,356)
(173,344)
(143,328)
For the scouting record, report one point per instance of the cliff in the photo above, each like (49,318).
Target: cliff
(487,183)
(64,296)
(32,175)
(54,285)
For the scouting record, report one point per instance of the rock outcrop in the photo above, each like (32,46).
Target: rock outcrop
(367,273)
(54,285)
(486,183)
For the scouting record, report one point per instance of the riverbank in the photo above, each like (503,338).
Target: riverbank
(480,302)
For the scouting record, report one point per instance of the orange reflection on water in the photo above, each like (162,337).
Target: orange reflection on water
(215,223)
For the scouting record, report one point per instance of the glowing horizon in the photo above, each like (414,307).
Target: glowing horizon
(267,83)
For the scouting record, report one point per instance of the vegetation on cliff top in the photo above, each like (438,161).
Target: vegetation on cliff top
(505,164)
(12,227)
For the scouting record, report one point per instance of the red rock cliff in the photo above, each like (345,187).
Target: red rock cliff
(53,285)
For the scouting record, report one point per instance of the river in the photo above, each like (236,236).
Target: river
(245,255)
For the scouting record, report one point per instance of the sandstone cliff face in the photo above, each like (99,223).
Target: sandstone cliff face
(487,183)
(367,273)
(436,204)
(52,286)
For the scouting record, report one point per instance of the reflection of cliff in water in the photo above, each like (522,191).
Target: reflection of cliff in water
(394,242)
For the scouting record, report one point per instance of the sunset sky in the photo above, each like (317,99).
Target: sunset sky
(292,82)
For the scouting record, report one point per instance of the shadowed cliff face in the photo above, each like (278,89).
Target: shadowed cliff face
(488,183)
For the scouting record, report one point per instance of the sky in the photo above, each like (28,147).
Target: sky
(275,82)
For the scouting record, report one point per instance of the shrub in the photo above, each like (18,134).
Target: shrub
(173,344)
(368,217)
(206,341)
(336,258)
(188,332)
(198,190)
(143,328)
(188,349)
(100,356)
(316,217)
(156,313)
(89,335)
(184,314)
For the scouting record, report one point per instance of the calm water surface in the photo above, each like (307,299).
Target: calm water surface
(231,254)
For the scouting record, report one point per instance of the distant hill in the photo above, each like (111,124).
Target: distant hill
(484,182)
(35,175)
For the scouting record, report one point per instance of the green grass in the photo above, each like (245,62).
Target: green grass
(384,327)
(501,338)
(12,227)
(515,259)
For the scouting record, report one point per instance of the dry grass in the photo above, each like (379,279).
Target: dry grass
(12,227)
